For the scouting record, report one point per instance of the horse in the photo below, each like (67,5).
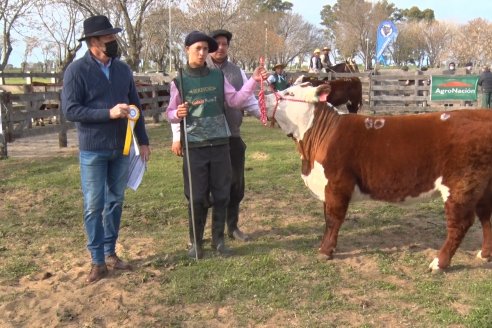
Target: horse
(349,66)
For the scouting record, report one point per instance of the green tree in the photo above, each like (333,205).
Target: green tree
(415,14)
(274,5)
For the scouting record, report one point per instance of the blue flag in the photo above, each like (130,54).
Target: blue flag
(386,35)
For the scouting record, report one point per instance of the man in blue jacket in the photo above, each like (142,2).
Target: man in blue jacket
(98,90)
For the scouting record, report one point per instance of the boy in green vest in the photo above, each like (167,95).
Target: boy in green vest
(204,92)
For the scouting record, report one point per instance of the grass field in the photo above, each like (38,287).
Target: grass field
(378,277)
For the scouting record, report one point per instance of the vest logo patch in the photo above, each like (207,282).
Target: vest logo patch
(198,102)
(203,89)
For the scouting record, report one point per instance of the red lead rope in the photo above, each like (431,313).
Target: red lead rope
(261,98)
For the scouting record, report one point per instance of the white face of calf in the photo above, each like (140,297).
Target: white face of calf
(294,110)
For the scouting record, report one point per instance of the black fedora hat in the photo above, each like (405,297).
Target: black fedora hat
(97,26)
(197,36)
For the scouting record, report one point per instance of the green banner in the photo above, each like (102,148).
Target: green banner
(450,87)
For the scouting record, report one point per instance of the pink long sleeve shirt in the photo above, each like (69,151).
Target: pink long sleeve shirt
(233,98)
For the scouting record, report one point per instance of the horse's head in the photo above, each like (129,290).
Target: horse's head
(351,66)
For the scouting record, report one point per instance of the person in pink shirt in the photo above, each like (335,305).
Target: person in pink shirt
(199,93)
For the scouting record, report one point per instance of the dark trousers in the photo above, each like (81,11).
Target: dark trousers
(210,173)
(486,99)
(237,154)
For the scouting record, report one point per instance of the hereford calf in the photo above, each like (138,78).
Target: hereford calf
(394,159)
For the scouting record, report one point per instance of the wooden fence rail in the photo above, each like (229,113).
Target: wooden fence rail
(397,93)
(29,76)
(37,112)
(20,105)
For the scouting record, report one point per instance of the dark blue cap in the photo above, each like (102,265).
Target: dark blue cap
(197,36)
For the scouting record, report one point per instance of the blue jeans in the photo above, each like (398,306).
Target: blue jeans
(104,175)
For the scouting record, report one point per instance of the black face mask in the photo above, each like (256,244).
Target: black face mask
(111,49)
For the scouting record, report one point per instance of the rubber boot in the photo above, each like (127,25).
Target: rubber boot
(218,227)
(232,218)
(200,215)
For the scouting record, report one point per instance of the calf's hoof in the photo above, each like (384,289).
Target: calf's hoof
(485,259)
(434,267)
(325,257)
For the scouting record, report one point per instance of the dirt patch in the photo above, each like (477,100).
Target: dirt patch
(43,146)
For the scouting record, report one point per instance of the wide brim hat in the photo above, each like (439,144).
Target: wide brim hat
(197,36)
(316,51)
(278,65)
(326,48)
(224,33)
(98,26)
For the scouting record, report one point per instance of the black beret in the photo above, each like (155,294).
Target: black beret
(197,36)
(227,34)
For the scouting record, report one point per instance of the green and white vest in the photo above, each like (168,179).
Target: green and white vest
(206,123)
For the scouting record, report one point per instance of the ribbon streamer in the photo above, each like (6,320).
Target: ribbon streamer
(261,97)
(132,119)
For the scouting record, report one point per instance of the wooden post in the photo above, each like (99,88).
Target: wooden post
(62,135)
(28,78)
(8,126)
(53,79)
(155,102)
(2,79)
(426,93)
(416,91)
(371,93)
(3,141)
(369,100)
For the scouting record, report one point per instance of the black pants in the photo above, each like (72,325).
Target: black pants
(210,173)
(237,154)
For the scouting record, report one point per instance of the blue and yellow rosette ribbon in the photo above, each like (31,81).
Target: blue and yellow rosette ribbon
(133,116)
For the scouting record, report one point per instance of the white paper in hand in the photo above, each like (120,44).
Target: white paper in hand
(136,170)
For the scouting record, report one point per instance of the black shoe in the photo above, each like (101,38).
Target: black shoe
(196,252)
(239,235)
(222,249)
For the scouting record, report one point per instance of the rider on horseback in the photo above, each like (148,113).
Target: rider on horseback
(325,59)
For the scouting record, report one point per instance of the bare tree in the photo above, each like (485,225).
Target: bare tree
(62,35)
(279,35)
(11,14)
(437,39)
(161,40)
(472,42)
(209,15)
(298,38)
(128,14)
(49,57)
(31,44)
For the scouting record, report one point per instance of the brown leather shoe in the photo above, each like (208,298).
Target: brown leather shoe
(97,273)
(114,262)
